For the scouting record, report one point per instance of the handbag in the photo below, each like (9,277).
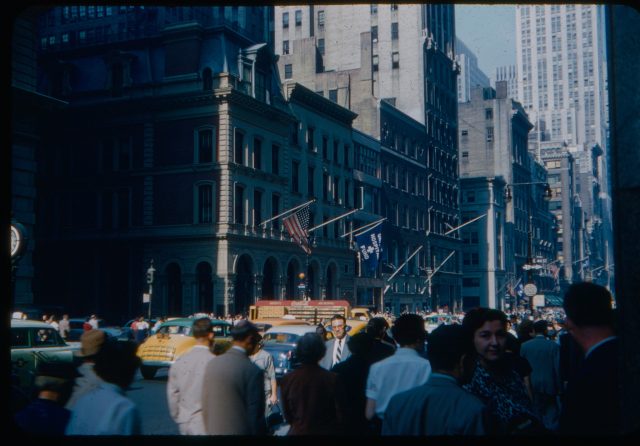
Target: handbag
(274,417)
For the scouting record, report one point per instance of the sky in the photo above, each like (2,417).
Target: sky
(488,31)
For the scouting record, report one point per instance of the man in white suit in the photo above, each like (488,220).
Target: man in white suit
(337,348)
(186,378)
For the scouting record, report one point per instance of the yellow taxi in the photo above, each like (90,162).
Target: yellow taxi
(173,339)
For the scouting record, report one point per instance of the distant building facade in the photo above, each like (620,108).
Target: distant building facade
(508,73)
(470,74)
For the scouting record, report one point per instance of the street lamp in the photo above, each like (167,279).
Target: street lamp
(150,272)
(302,285)
(530,288)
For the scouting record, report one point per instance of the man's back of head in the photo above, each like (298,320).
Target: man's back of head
(588,305)
(408,329)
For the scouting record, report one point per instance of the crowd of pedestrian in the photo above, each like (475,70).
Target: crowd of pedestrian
(493,374)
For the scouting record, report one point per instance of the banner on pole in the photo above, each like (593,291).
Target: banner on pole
(370,247)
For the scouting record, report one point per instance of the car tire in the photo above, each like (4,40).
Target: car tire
(148,372)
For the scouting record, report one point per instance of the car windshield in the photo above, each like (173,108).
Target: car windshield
(175,329)
(280,338)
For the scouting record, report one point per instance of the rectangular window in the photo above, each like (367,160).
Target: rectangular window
(294,133)
(285,20)
(471,196)
(321,46)
(205,204)
(394,31)
(333,95)
(320,18)
(310,182)
(257,154)
(374,33)
(257,207)
(205,146)
(395,60)
(295,176)
(238,153)
(488,113)
(374,9)
(336,188)
(394,7)
(310,142)
(489,134)
(285,47)
(275,210)
(288,71)
(325,186)
(298,17)
(375,62)
(336,159)
(465,132)
(238,205)
(275,159)
(325,147)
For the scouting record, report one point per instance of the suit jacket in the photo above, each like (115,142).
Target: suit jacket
(184,390)
(233,395)
(438,407)
(591,406)
(544,357)
(351,385)
(309,401)
(327,361)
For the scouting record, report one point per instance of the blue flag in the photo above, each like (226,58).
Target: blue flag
(369,245)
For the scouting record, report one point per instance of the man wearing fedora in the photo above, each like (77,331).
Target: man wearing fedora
(91,342)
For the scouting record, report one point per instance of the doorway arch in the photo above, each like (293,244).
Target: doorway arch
(205,287)
(331,280)
(243,295)
(174,289)
(270,279)
(293,268)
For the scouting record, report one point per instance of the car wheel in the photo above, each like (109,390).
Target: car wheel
(148,372)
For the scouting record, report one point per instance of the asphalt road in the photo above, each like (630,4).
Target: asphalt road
(151,397)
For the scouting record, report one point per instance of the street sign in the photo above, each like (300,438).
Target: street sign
(301,286)
(146,298)
(538,300)
(530,289)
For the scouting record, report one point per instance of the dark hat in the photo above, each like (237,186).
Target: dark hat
(448,339)
(53,375)
(243,329)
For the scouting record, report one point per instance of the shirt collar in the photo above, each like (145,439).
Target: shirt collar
(112,387)
(593,347)
(406,351)
(200,346)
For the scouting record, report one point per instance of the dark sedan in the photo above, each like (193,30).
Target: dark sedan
(281,341)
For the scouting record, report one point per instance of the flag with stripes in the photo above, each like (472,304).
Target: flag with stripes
(297,225)
(554,270)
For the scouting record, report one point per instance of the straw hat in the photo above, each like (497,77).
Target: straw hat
(91,341)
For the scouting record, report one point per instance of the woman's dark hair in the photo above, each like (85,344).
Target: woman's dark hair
(310,348)
(477,317)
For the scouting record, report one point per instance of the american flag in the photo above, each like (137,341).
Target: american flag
(296,225)
(554,270)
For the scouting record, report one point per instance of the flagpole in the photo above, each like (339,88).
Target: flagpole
(400,268)
(373,224)
(464,224)
(437,269)
(332,220)
(288,211)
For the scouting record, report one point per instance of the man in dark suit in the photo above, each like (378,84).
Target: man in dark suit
(377,328)
(337,348)
(544,357)
(233,390)
(592,404)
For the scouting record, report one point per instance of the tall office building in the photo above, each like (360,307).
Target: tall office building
(561,69)
(470,74)
(403,55)
(509,74)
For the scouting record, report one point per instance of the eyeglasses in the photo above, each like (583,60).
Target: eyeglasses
(337,326)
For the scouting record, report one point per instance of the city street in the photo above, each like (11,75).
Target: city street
(151,398)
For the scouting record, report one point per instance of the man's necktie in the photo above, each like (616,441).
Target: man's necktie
(336,359)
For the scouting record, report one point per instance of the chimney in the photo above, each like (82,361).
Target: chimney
(501,89)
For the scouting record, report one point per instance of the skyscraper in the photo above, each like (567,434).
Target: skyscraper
(470,74)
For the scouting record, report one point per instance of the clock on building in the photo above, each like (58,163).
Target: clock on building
(17,240)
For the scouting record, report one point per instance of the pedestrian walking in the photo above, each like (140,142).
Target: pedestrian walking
(53,321)
(494,380)
(64,327)
(93,321)
(377,328)
(403,370)
(186,379)
(46,415)
(592,403)
(106,410)
(233,390)
(440,406)
(337,348)
(140,330)
(544,357)
(352,383)
(309,399)
(87,380)
(86,326)
(264,361)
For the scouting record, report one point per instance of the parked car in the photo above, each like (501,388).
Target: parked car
(34,342)
(76,330)
(280,341)
(174,339)
(265,324)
